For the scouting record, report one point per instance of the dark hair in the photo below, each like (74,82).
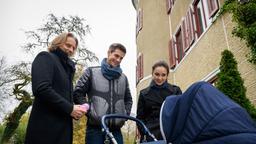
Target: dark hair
(161,63)
(115,46)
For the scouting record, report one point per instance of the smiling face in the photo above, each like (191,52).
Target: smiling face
(69,46)
(115,57)
(160,75)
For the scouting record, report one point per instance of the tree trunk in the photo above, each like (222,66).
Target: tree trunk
(14,118)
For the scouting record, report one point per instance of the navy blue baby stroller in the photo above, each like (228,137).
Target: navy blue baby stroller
(203,115)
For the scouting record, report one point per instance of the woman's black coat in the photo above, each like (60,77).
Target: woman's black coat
(50,121)
(149,105)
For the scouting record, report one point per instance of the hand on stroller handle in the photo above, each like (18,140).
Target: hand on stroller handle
(111,116)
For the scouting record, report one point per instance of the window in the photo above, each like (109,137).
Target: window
(213,7)
(179,45)
(176,48)
(197,19)
(139,21)
(184,35)
(204,11)
(200,18)
(169,5)
(172,57)
(189,30)
(139,68)
(184,39)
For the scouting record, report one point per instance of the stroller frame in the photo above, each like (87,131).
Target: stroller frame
(138,122)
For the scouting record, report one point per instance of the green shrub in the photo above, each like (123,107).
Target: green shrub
(19,135)
(230,82)
(1,131)
(20,132)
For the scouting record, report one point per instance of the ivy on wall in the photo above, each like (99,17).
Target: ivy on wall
(244,14)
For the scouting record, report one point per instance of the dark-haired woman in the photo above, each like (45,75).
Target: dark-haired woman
(152,97)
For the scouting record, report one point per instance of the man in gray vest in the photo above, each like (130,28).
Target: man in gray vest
(106,89)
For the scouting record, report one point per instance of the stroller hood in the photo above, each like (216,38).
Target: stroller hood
(205,115)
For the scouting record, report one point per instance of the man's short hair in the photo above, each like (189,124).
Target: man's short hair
(115,46)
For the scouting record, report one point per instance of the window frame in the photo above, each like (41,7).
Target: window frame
(139,68)
(213,7)
(172,56)
(169,5)
(139,23)
(200,20)
(204,11)
(179,45)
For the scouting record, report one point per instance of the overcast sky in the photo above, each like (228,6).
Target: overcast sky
(110,21)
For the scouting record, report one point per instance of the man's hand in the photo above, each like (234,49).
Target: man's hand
(77,112)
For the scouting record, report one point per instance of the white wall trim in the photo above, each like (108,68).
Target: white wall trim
(145,78)
(211,74)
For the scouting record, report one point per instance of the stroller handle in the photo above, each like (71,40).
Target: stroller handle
(138,122)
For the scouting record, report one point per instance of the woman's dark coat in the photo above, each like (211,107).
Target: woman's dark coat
(50,121)
(149,105)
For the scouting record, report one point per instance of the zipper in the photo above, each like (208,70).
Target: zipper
(111,100)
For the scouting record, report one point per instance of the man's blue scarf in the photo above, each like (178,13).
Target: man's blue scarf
(109,72)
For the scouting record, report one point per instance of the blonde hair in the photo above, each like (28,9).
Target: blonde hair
(61,39)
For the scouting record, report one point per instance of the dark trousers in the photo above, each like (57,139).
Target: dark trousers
(96,136)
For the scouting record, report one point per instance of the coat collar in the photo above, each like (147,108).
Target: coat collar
(65,60)
(168,87)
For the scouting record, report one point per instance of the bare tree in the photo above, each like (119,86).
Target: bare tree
(39,39)
(5,87)
(4,74)
(2,82)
